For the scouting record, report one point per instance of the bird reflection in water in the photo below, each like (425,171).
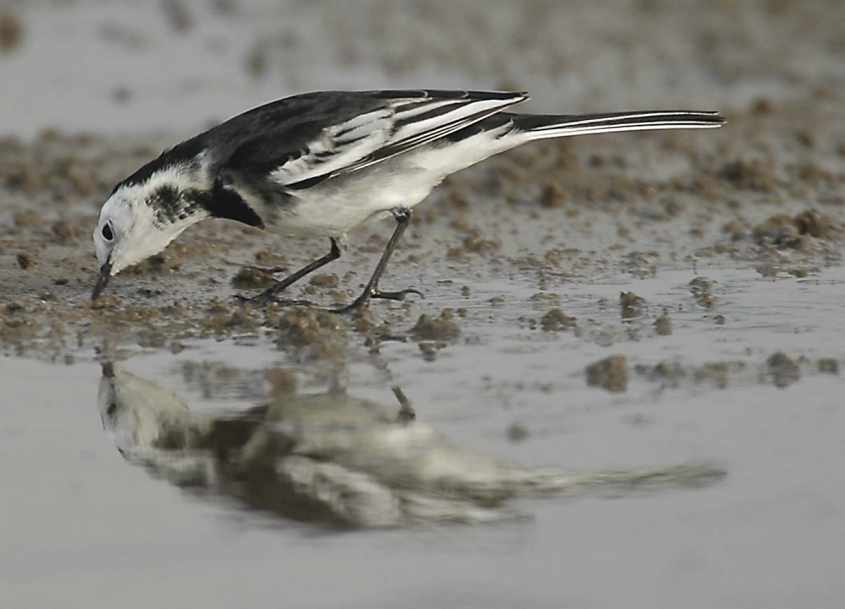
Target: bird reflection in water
(336,460)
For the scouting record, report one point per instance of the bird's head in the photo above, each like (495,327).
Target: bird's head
(140,220)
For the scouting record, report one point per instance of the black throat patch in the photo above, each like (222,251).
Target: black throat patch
(170,205)
(224,202)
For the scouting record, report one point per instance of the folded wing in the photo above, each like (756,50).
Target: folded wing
(341,133)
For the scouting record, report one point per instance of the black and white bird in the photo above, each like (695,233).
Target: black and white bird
(323,163)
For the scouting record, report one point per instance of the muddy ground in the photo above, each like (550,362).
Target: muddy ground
(554,218)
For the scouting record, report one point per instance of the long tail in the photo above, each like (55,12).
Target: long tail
(542,126)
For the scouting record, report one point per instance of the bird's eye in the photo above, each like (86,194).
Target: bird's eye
(107,234)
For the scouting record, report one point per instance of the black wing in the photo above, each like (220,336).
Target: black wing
(302,140)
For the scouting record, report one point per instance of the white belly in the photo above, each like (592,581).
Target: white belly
(339,204)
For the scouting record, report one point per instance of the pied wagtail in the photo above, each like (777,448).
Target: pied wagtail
(322,163)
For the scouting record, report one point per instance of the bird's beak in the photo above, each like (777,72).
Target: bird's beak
(102,279)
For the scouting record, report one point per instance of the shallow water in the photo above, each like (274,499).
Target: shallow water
(81,522)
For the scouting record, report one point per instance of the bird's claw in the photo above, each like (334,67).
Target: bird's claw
(266,270)
(364,298)
(397,295)
(264,298)
(269,297)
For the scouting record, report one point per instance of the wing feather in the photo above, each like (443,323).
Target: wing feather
(337,147)
(340,133)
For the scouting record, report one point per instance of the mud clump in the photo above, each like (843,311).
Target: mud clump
(828,365)
(701,289)
(222,320)
(16,327)
(805,138)
(668,374)
(671,374)
(11,31)
(778,230)
(717,373)
(549,299)
(814,175)
(324,280)
(810,222)
(663,324)
(252,278)
(783,370)
(517,432)
(270,258)
(736,230)
(641,264)
(472,242)
(556,320)
(429,349)
(178,15)
(154,264)
(443,327)
(25,261)
(65,232)
(258,59)
(631,305)
(476,245)
(761,106)
(150,338)
(610,373)
(306,327)
(783,231)
(754,175)
(282,382)
(553,196)
(27,218)
(105,302)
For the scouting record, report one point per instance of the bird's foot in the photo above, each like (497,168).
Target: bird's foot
(398,295)
(296,302)
(259,300)
(364,298)
(267,270)
(269,297)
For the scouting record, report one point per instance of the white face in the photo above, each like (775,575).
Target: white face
(125,232)
(139,219)
(115,224)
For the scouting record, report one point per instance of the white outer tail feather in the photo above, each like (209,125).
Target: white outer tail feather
(566,126)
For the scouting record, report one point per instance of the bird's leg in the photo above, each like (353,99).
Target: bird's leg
(269,294)
(403,217)
(406,412)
